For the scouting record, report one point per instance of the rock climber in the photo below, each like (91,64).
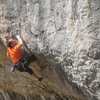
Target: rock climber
(20,62)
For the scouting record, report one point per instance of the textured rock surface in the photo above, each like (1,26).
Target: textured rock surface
(20,86)
(64,34)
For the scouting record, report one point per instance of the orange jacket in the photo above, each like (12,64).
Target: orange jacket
(15,53)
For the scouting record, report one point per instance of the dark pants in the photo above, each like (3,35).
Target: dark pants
(23,64)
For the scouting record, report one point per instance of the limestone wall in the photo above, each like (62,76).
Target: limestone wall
(65,32)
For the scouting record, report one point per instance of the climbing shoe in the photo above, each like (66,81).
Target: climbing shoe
(40,79)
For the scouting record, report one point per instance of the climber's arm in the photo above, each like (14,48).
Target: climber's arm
(20,41)
(7,54)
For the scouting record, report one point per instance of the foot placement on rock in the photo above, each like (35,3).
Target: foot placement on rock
(40,79)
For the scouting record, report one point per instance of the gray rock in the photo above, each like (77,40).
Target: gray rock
(65,32)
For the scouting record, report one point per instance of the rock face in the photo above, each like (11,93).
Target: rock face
(64,34)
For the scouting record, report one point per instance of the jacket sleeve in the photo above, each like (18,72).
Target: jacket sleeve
(18,47)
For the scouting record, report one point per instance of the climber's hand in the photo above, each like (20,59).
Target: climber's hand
(17,36)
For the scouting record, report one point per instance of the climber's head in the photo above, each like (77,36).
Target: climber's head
(11,43)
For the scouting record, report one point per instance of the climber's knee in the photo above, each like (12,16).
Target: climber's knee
(32,58)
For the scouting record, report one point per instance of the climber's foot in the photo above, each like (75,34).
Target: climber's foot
(40,79)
